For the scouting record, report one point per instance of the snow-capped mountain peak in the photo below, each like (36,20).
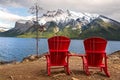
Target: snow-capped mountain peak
(53,13)
(60,16)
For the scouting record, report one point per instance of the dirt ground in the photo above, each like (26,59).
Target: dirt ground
(36,70)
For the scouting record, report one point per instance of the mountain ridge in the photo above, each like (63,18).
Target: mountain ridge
(83,25)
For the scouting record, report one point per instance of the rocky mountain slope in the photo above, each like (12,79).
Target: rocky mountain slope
(71,24)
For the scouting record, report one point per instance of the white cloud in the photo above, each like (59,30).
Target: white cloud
(8,20)
(8,16)
(109,8)
(104,7)
(4,25)
(17,3)
(115,15)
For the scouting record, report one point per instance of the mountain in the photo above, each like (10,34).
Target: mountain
(64,18)
(69,23)
(21,26)
(104,27)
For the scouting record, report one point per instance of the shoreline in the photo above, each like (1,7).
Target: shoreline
(47,38)
(35,57)
(28,58)
(35,69)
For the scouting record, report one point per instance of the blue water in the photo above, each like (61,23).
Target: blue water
(18,48)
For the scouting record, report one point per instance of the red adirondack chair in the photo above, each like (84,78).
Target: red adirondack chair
(95,54)
(58,53)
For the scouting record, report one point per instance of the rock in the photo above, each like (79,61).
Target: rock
(25,60)
(114,57)
(7,62)
(17,62)
(61,74)
(32,57)
(73,78)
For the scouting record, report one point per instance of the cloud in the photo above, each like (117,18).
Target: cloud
(8,16)
(8,19)
(108,8)
(4,25)
(53,4)
(16,3)
(116,15)
(103,7)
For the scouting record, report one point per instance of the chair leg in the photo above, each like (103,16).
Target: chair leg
(101,69)
(86,70)
(67,69)
(83,67)
(48,70)
(106,71)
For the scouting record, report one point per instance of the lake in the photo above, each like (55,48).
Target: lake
(18,48)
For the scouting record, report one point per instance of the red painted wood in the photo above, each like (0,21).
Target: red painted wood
(95,54)
(58,52)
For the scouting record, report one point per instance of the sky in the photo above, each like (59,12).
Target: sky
(13,10)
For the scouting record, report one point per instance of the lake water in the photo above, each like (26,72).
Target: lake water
(18,48)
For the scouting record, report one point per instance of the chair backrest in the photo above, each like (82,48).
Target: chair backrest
(58,48)
(95,50)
